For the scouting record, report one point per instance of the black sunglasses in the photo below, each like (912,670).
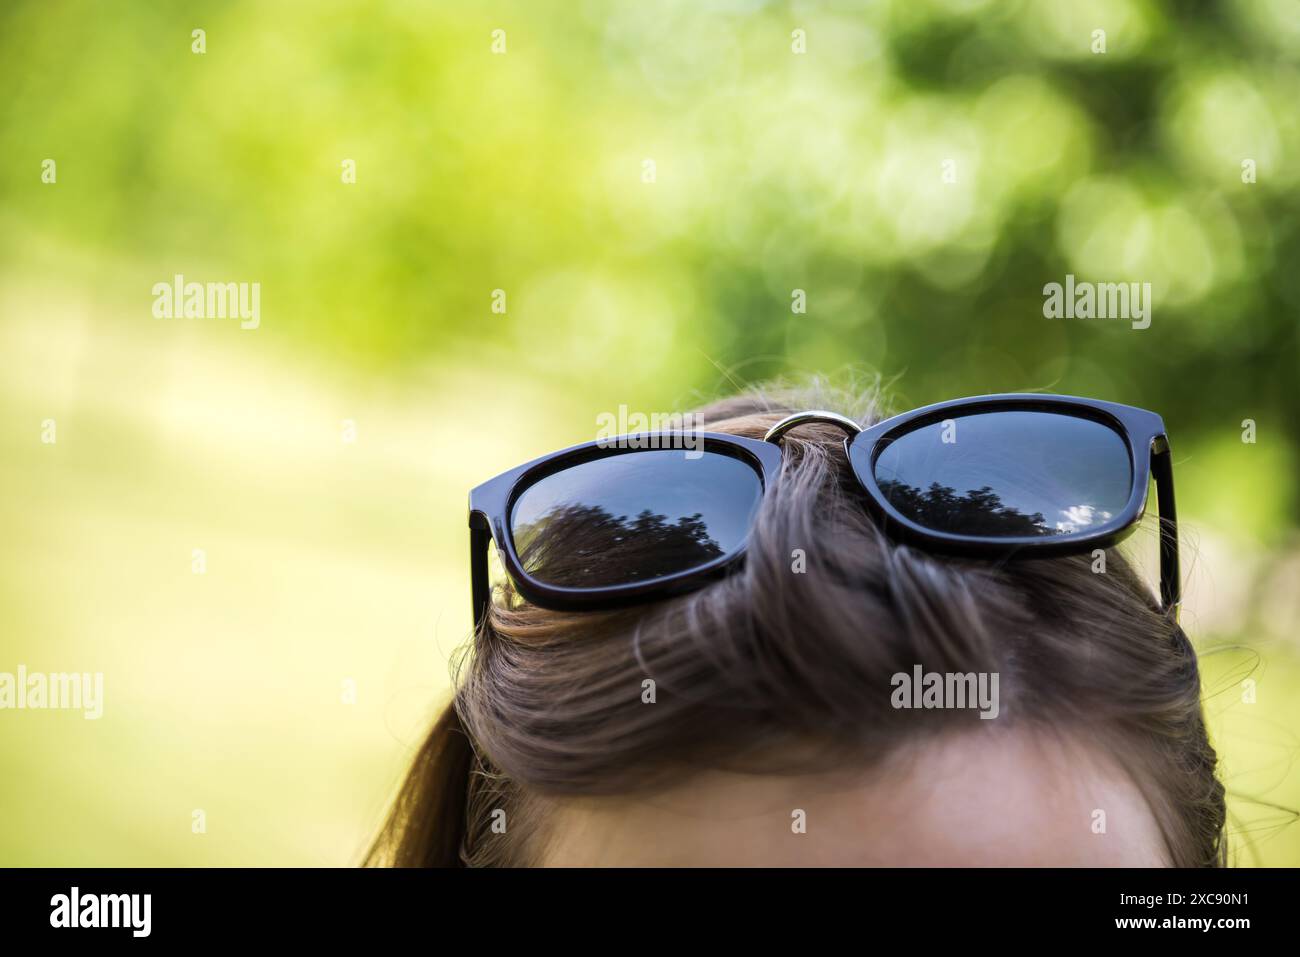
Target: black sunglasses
(632,518)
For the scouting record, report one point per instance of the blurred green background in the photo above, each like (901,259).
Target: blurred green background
(335,565)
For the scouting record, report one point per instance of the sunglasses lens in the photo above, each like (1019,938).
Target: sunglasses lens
(1008,474)
(634,516)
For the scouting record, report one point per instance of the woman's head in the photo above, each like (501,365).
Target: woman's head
(780,714)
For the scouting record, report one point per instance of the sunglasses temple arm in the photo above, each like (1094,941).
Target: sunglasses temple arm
(479,541)
(1162,469)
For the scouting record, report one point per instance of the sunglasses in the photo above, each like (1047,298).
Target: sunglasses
(640,517)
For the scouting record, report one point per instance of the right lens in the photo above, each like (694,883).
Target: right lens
(634,516)
(1015,473)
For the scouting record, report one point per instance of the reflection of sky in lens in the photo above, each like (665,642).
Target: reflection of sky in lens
(722,489)
(1074,472)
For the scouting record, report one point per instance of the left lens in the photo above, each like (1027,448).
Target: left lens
(1008,474)
(634,516)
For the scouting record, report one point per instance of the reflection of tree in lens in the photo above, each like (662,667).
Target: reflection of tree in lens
(979,512)
(583,545)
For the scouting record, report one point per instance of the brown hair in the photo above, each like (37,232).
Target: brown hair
(548,704)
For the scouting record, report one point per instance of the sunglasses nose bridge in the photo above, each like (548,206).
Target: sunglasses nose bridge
(810,417)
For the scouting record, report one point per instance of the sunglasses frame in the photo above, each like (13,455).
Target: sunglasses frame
(1143,432)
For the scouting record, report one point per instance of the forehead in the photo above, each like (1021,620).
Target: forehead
(977,799)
